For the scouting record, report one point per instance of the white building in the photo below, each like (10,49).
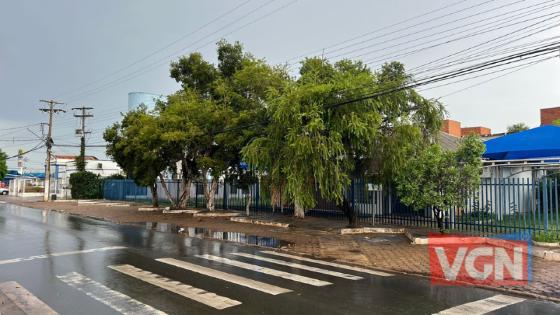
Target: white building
(62,166)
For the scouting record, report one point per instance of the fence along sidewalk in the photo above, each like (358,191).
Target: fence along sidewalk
(507,205)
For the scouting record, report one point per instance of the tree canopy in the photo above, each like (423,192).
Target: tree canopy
(439,179)
(303,138)
(3,165)
(314,147)
(517,127)
(135,144)
(217,111)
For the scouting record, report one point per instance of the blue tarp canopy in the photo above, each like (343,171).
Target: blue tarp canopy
(540,142)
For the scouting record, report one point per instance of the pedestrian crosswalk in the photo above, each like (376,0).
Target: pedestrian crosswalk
(246,282)
(114,299)
(196,294)
(300,266)
(268,271)
(226,269)
(483,306)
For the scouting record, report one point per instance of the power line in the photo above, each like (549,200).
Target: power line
(547,49)
(155,52)
(164,60)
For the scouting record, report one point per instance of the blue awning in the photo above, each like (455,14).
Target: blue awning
(540,142)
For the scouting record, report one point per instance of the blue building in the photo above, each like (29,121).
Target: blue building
(135,99)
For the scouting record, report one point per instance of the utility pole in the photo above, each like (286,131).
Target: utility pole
(49,142)
(81,160)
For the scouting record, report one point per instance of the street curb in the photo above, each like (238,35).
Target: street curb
(369,230)
(216,214)
(259,222)
(187,211)
(149,209)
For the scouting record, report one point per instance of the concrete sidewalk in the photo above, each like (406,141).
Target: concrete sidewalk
(315,237)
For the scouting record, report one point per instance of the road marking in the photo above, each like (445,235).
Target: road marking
(246,282)
(74,252)
(190,292)
(483,306)
(327,263)
(119,302)
(268,271)
(300,266)
(24,300)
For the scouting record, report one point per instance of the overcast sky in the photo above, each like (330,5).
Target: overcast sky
(93,53)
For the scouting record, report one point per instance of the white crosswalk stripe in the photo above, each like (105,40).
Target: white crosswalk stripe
(24,301)
(196,294)
(59,254)
(268,271)
(327,263)
(483,306)
(300,266)
(246,282)
(119,302)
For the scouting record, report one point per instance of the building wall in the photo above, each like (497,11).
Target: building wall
(135,99)
(479,131)
(548,115)
(452,127)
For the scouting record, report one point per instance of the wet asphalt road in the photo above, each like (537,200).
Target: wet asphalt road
(29,233)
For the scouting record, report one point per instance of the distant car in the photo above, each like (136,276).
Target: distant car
(4,191)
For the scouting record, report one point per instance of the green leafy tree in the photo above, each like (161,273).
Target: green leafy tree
(85,185)
(439,179)
(311,146)
(218,110)
(81,159)
(135,144)
(517,128)
(3,165)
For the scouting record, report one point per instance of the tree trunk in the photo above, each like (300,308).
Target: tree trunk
(210,194)
(166,190)
(155,197)
(248,203)
(183,201)
(348,212)
(299,212)
(439,218)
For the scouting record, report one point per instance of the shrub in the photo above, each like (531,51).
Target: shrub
(85,185)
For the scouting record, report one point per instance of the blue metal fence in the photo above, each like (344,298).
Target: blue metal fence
(124,189)
(498,206)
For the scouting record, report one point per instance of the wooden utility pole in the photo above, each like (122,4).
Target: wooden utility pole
(81,162)
(51,110)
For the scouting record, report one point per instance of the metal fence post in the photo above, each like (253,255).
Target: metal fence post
(545,203)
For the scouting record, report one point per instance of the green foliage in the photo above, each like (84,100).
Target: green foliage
(517,128)
(81,159)
(135,144)
(556,122)
(86,185)
(552,236)
(218,111)
(3,165)
(439,179)
(309,145)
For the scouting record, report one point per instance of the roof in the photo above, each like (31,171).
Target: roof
(448,142)
(540,142)
(73,157)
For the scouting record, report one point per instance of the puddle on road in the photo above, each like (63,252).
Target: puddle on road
(205,233)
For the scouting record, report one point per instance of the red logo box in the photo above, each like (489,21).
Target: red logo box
(464,260)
